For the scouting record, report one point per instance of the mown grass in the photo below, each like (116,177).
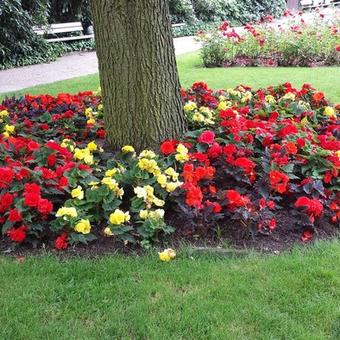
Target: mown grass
(292,296)
(325,79)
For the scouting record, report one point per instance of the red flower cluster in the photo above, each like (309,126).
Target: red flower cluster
(278,181)
(313,207)
(263,153)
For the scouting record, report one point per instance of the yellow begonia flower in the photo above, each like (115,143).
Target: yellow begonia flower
(9,128)
(190,106)
(147,154)
(88,159)
(110,182)
(181,149)
(172,186)
(270,99)
(157,214)
(158,202)
(182,157)
(143,214)
(149,165)
(90,121)
(198,117)
(92,146)
(289,95)
(4,113)
(77,193)
(329,111)
(88,112)
(83,227)
(110,172)
(140,192)
(127,149)
(79,154)
(171,172)
(167,255)
(108,231)
(162,180)
(119,217)
(6,134)
(64,211)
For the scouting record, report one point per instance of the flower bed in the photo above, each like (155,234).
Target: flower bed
(249,155)
(294,44)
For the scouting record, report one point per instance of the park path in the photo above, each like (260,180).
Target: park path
(69,66)
(84,63)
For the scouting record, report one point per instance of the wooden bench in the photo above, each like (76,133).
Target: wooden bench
(68,27)
(314,4)
(178,25)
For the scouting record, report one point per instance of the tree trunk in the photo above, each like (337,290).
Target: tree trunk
(138,73)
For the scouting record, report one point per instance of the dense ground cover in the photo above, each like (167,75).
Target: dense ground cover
(326,79)
(295,43)
(278,297)
(249,157)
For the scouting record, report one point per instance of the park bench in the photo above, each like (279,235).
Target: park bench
(314,4)
(69,27)
(60,29)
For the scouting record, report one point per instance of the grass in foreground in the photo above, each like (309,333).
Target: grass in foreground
(326,79)
(292,296)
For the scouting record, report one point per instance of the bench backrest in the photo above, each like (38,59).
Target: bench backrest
(59,28)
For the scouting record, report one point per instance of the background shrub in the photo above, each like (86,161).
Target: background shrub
(18,42)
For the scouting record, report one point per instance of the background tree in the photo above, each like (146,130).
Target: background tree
(138,73)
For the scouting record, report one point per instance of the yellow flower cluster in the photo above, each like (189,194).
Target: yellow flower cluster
(83,227)
(111,182)
(223,104)
(182,153)
(203,115)
(9,130)
(68,144)
(329,111)
(288,96)
(3,114)
(163,180)
(235,93)
(78,193)
(147,194)
(128,149)
(90,115)
(65,211)
(167,255)
(149,165)
(270,99)
(119,217)
(157,214)
(86,154)
(246,96)
(190,106)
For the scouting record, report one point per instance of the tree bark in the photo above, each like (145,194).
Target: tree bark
(138,72)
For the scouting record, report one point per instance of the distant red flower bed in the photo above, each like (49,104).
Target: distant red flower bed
(249,155)
(295,42)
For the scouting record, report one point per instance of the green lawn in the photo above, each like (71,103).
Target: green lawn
(326,79)
(292,296)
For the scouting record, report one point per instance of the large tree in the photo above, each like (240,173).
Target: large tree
(138,73)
